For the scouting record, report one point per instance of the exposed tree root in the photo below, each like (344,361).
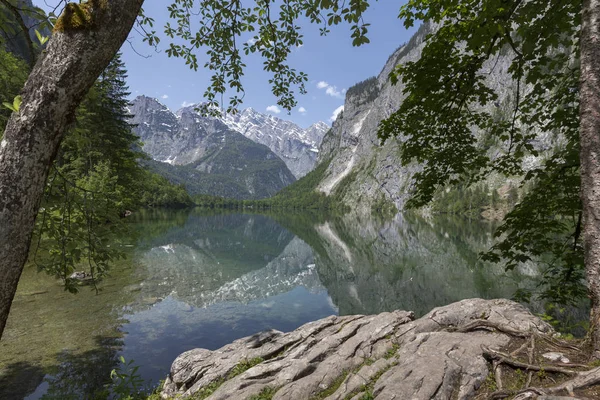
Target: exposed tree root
(558,343)
(580,379)
(519,350)
(503,358)
(502,394)
(498,374)
(530,354)
(489,325)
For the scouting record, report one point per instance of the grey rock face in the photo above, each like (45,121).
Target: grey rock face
(297,147)
(371,171)
(181,138)
(368,170)
(390,354)
(218,160)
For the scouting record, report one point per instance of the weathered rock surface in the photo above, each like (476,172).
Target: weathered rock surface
(388,356)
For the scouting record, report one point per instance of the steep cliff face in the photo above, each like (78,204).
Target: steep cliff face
(297,147)
(205,154)
(361,172)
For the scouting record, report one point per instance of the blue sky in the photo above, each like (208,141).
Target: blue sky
(331,62)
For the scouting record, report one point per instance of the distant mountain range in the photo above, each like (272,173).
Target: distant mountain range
(206,155)
(245,156)
(297,147)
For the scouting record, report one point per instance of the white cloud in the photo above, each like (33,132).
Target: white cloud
(302,110)
(274,109)
(164,96)
(331,90)
(335,113)
(251,41)
(186,104)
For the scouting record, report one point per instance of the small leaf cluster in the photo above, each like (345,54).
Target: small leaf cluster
(13,74)
(126,381)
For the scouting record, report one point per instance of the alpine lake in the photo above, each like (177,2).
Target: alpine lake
(198,278)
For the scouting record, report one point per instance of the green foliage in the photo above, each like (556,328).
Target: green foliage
(332,387)
(449,98)
(490,382)
(562,320)
(41,38)
(303,193)
(468,201)
(243,366)
(546,226)
(157,191)
(218,26)
(127,383)
(15,106)
(14,15)
(76,223)
(391,352)
(13,73)
(95,181)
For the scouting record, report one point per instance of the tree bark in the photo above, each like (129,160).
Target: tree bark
(590,158)
(79,50)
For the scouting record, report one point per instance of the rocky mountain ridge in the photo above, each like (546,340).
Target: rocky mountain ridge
(205,154)
(297,147)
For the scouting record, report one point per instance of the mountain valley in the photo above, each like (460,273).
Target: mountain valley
(249,155)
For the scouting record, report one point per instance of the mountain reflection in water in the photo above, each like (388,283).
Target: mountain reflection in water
(201,279)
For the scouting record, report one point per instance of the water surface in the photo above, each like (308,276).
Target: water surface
(199,279)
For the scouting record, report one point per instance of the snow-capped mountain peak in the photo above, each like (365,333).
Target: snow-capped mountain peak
(297,147)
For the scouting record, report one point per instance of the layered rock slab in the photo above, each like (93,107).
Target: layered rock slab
(386,356)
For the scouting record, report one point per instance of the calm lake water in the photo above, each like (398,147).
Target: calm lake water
(198,279)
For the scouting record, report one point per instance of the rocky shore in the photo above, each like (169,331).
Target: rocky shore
(454,352)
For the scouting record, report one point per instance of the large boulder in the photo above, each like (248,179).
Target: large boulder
(385,356)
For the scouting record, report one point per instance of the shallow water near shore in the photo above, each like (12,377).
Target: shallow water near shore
(195,278)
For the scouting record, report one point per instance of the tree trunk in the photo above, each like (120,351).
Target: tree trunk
(86,38)
(590,158)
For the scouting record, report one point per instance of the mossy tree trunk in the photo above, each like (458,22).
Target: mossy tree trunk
(590,158)
(85,40)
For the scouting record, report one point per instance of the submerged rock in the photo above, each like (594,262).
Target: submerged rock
(385,356)
(81,277)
